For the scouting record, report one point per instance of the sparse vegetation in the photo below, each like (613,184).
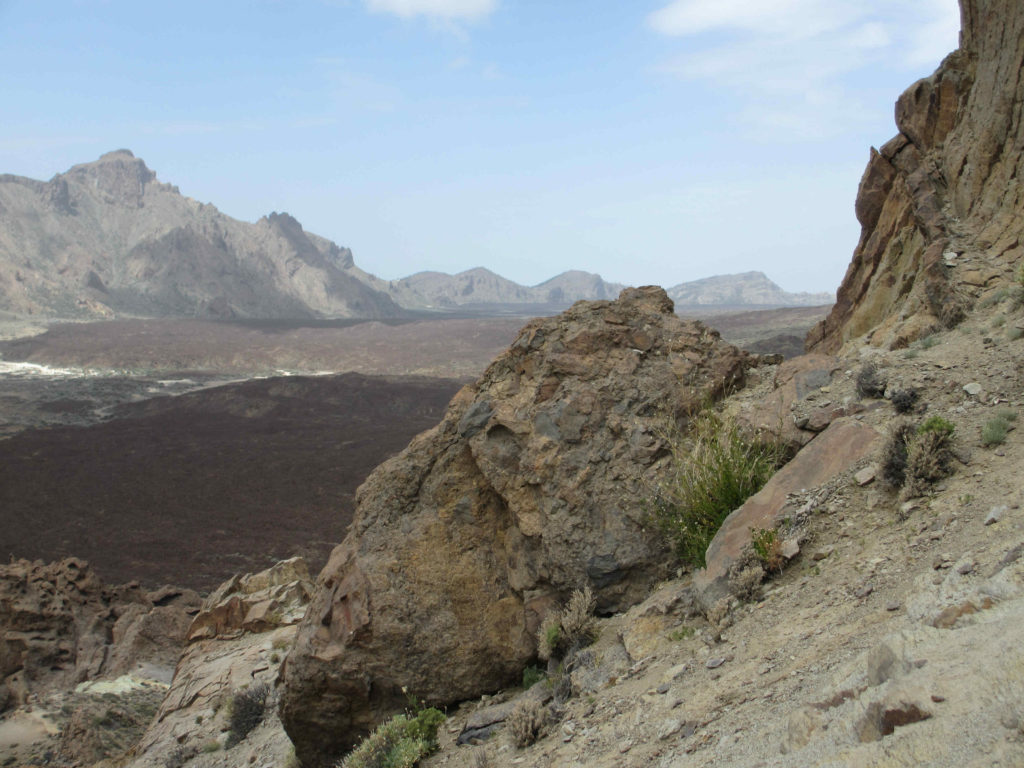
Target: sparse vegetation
(683,633)
(712,473)
(211,746)
(563,632)
(400,742)
(247,708)
(870,382)
(1015,333)
(914,458)
(179,756)
(904,400)
(768,548)
(526,722)
(994,431)
(531,676)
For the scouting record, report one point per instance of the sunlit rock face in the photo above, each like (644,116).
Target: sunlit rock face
(941,204)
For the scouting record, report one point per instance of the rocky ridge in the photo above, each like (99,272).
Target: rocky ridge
(107,238)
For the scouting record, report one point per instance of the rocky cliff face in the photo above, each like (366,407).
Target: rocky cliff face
(940,204)
(530,487)
(60,625)
(108,238)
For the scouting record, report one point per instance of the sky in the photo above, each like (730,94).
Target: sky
(650,141)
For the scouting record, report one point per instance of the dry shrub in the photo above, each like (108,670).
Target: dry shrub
(526,722)
(913,459)
(904,400)
(563,632)
(247,709)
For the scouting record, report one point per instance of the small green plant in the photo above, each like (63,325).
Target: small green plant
(926,342)
(400,742)
(275,658)
(936,424)
(531,676)
(247,707)
(768,548)
(998,321)
(1007,413)
(994,431)
(211,746)
(709,475)
(279,644)
(1015,333)
(683,633)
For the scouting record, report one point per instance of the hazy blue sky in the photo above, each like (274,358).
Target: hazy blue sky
(650,141)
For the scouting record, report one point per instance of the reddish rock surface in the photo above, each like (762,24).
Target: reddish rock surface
(838,448)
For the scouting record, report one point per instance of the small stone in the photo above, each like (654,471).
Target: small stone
(676,672)
(909,506)
(865,476)
(625,747)
(973,389)
(790,548)
(999,452)
(995,514)
(669,728)
(663,688)
(715,662)
(937,698)
(892,605)
(965,568)
(864,591)
(822,553)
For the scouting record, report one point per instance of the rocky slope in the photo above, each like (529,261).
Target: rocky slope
(752,289)
(940,203)
(526,490)
(107,238)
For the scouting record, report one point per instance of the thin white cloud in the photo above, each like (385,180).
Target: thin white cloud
(787,59)
(447,10)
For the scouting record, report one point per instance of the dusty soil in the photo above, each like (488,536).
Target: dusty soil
(194,488)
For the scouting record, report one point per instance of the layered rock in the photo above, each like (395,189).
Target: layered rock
(530,487)
(941,204)
(237,640)
(60,626)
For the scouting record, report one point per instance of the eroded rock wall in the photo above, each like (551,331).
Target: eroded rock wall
(941,205)
(531,486)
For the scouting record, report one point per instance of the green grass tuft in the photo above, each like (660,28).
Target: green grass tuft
(720,468)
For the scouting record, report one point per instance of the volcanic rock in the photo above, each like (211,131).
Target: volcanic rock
(530,487)
(60,625)
(941,203)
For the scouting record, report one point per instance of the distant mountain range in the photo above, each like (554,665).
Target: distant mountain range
(108,239)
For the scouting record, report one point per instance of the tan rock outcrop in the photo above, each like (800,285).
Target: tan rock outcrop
(941,204)
(60,625)
(237,640)
(530,487)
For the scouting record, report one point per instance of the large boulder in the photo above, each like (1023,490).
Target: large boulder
(941,204)
(531,486)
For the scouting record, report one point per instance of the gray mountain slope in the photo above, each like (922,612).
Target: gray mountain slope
(108,238)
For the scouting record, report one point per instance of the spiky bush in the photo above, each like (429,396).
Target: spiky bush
(526,722)
(915,458)
(904,400)
(571,628)
(247,708)
(710,474)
